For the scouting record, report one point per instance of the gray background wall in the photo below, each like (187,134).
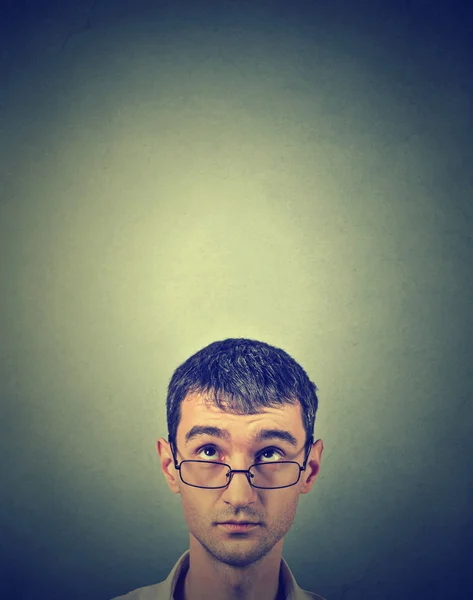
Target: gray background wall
(173,173)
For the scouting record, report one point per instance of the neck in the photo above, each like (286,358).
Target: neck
(208,577)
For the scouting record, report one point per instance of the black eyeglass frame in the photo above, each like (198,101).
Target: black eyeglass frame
(249,475)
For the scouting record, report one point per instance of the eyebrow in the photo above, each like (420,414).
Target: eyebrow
(223,434)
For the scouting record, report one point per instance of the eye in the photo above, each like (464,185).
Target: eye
(210,453)
(274,455)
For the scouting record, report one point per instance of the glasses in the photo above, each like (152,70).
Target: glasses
(208,474)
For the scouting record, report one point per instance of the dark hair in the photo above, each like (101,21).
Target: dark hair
(242,376)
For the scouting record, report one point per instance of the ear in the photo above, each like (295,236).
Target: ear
(167,465)
(312,467)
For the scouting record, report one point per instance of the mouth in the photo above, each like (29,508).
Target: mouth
(239,523)
(238,527)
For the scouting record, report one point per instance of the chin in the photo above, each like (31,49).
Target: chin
(238,554)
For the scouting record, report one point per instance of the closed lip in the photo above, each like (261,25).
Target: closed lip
(239,523)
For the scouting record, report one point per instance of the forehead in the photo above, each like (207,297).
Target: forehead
(196,409)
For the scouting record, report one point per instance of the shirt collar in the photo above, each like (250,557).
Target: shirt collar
(293,591)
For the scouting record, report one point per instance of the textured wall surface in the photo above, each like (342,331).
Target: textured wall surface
(172,173)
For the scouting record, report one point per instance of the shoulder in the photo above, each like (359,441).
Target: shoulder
(305,595)
(292,589)
(163,590)
(150,592)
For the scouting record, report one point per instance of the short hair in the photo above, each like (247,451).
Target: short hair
(242,376)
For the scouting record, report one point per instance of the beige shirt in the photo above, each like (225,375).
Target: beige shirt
(165,589)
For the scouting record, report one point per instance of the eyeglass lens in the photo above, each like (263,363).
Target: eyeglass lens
(214,475)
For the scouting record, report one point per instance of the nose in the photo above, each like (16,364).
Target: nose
(239,492)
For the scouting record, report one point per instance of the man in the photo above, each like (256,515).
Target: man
(240,417)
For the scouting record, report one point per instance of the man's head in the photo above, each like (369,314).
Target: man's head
(233,390)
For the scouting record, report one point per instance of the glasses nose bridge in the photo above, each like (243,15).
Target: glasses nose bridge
(247,472)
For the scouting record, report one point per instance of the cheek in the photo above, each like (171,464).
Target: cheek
(196,509)
(283,510)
